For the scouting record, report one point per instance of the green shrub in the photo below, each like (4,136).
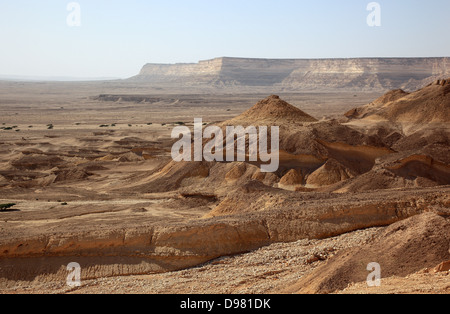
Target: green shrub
(6,207)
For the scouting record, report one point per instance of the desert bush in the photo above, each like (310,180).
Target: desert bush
(6,207)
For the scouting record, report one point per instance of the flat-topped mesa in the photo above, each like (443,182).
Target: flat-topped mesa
(272,110)
(202,72)
(378,74)
(213,66)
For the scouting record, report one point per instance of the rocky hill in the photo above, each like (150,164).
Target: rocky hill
(273,111)
(427,105)
(300,74)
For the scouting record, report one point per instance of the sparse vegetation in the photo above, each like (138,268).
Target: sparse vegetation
(6,207)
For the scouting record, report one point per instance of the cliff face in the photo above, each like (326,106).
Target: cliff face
(301,74)
(204,70)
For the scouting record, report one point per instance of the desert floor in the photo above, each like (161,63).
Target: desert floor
(85,170)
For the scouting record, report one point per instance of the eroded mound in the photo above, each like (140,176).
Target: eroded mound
(36,162)
(327,155)
(76,174)
(390,96)
(430,104)
(272,110)
(292,178)
(330,173)
(402,249)
(400,170)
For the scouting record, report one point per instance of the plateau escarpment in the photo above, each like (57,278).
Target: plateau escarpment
(300,74)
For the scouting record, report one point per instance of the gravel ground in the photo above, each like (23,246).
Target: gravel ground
(419,283)
(267,270)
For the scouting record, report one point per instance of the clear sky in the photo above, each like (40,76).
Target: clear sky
(116,38)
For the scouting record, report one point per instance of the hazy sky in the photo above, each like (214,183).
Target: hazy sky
(116,38)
